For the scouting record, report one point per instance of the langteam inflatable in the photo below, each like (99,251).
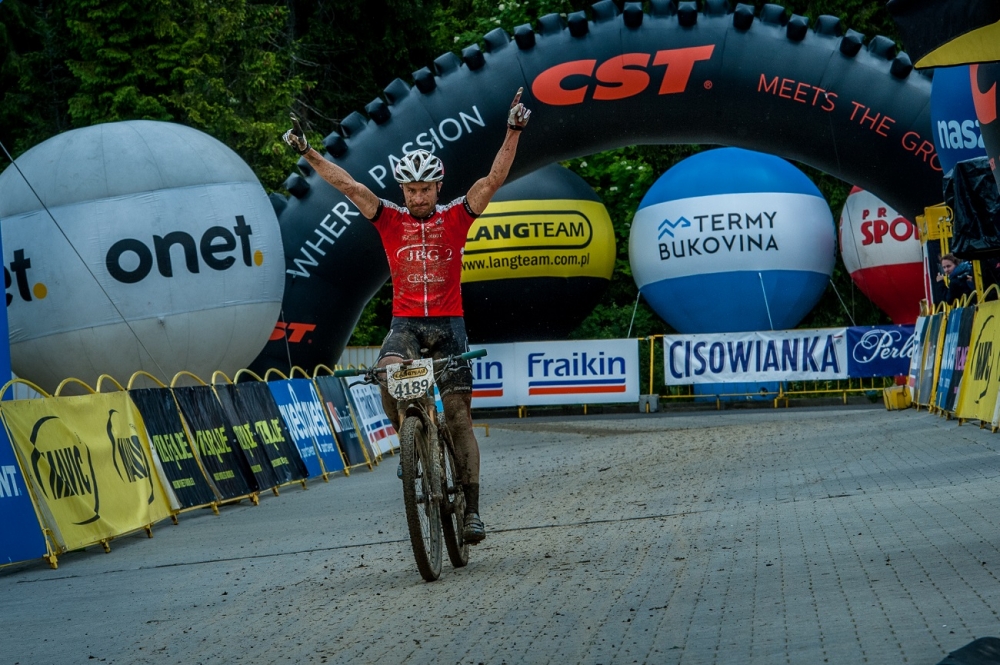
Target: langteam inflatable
(675,75)
(537,260)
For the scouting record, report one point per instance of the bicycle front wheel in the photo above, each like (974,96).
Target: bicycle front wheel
(453,506)
(420,484)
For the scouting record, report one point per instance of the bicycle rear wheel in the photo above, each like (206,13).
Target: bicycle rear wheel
(453,506)
(420,480)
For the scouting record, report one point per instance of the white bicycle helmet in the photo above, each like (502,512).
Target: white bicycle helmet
(419,166)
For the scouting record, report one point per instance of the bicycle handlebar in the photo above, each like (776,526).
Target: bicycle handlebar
(468,355)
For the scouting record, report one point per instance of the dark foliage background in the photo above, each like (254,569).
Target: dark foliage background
(235,68)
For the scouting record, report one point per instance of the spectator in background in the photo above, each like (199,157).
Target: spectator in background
(960,279)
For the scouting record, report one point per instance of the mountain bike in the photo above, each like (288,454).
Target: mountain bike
(432,494)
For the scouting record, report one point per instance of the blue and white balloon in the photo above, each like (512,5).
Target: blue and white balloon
(732,240)
(953,117)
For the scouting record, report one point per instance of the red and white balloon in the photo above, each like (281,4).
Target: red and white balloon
(881,250)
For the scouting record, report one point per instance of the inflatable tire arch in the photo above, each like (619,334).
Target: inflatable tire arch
(675,75)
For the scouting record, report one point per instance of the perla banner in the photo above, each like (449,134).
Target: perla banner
(780,355)
(89,465)
(880,350)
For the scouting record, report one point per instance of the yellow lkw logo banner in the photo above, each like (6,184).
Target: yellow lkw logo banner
(978,394)
(88,461)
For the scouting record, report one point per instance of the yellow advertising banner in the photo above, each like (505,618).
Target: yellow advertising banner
(978,394)
(540,238)
(88,461)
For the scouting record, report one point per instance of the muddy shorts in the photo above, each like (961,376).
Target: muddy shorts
(431,337)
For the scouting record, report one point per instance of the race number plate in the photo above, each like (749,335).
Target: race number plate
(411,381)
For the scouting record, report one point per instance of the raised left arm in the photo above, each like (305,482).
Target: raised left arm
(482,190)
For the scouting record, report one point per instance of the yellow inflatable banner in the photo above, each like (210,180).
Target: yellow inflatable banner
(88,461)
(978,395)
(540,238)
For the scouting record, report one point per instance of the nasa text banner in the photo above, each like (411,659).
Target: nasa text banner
(222,458)
(880,351)
(173,454)
(367,402)
(254,400)
(493,383)
(89,464)
(978,392)
(21,536)
(302,410)
(578,372)
(780,355)
(334,395)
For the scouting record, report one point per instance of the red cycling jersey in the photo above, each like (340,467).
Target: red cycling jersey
(425,257)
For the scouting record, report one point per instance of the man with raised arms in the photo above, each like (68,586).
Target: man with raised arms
(424,243)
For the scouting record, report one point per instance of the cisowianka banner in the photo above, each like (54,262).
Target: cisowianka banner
(89,465)
(538,373)
(750,357)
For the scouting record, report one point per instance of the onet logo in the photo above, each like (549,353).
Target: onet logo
(18,271)
(667,227)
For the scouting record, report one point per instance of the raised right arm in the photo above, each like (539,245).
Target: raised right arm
(361,196)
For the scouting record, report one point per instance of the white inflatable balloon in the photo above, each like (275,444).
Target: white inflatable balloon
(161,253)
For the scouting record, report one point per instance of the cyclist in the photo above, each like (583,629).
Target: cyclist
(424,243)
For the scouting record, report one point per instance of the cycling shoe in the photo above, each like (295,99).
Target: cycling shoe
(474,531)
(399,469)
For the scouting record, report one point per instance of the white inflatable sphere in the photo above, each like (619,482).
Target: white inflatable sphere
(730,240)
(881,251)
(160,251)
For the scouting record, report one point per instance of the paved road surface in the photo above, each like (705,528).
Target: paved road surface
(803,536)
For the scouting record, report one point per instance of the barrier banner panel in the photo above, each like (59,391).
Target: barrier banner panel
(242,430)
(493,382)
(334,395)
(953,355)
(302,410)
(754,357)
(367,403)
(171,447)
(255,403)
(89,463)
(875,351)
(21,536)
(946,363)
(577,372)
(925,383)
(223,459)
(920,335)
(978,392)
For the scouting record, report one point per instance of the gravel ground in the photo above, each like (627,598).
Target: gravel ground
(841,535)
